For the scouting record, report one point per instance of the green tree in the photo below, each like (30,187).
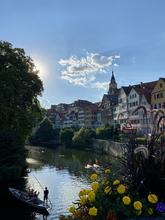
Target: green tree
(45,132)
(66,136)
(104,132)
(20,87)
(83,137)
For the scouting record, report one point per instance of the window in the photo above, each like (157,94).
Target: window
(158,96)
(155,106)
(160,85)
(161,95)
(160,105)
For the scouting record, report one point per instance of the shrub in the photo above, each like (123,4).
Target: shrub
(144,166)
(104,132)
(83,138)
(66,136)
(141,140)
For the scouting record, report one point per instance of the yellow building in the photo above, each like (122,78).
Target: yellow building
(158,95)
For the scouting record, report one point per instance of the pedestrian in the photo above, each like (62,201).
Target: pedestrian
(36,194)
(46,192)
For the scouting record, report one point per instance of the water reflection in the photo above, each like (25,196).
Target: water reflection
(62,171)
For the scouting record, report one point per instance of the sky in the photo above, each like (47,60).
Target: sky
(75,44)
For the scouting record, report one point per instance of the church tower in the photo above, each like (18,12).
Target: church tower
(112,85)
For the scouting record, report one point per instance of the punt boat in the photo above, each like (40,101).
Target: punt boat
(32,202)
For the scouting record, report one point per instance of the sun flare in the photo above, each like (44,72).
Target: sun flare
(42,68)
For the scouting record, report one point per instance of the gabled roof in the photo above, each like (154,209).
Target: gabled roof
(162,79)
(112,98)
(126,89)
(145,89)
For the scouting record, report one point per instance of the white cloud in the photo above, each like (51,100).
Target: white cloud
(82,71)
(100,85)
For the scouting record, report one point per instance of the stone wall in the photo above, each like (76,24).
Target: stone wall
(109,147)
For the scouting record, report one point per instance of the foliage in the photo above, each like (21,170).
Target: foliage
(83,137)
(66,136)
(20,110)
(45,132)
(141,140)
(20,85)
(12,156)
(112,199)
(104,132)
(144,166)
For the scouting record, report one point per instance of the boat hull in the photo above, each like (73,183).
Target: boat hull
(34,203)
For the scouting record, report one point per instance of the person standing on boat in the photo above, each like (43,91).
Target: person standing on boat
(46,192)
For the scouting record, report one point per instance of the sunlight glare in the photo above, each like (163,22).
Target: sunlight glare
(42,68)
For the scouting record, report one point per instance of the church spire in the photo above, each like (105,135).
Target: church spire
(112,85)
(113,77)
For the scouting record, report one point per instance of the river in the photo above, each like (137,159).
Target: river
(62,171)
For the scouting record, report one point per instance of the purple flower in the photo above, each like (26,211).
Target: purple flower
(160,207)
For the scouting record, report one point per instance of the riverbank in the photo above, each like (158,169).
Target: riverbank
(109,147)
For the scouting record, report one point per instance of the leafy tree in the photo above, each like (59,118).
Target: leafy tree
(104,132)
(20,86)
(45,132)
(66,136)
(83,138)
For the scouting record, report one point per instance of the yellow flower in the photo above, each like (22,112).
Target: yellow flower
(121,189)
(138,212)
(107,171)
(87,191)
(95,186)
(150,211)
(72,209)
(137,205)
(93,177)
(116,182)
(82,192)
(107,190)
(83,200)
(91,196)
(106,182)
(93,211)
(126,200)
(152,198)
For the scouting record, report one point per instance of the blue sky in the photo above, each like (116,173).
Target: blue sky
(76,43)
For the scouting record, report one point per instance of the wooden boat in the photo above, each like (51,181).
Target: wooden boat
(32,202)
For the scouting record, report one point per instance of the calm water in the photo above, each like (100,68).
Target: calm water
(63,172)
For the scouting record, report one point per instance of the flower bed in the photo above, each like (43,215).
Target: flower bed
(111,199)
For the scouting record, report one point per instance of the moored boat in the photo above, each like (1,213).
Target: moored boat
(32,202)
